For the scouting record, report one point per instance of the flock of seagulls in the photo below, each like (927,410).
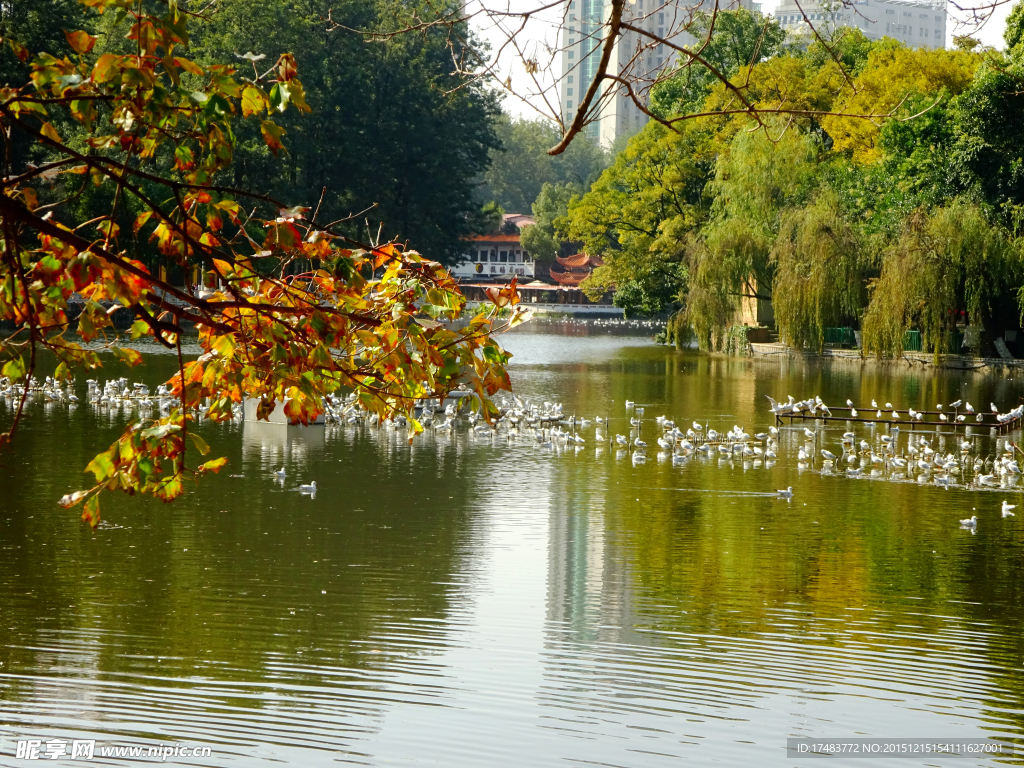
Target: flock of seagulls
(871,456)
(812,406)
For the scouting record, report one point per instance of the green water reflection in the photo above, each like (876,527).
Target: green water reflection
(474,602)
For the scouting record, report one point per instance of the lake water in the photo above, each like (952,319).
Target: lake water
(463,602)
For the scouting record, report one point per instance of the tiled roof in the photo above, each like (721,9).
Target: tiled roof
(495,239)
(569,278)
(579,261)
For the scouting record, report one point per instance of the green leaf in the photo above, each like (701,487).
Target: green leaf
(200,443)
(279,97)
(139,329)
(102,465)
(130,357)
(14,369)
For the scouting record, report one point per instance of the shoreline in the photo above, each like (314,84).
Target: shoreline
(765,351)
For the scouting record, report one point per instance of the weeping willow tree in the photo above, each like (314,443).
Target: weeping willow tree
(950,261)
(818,276)
(729,263)
(755,180)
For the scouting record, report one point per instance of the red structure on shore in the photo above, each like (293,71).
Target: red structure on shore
(577,269)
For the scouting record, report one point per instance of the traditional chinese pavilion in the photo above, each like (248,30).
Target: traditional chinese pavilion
(577,269)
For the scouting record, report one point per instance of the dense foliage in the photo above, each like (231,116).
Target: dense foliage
(909,219)
(520,165)
(390,129)
(134,149)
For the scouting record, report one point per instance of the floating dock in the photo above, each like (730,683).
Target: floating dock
(972,420)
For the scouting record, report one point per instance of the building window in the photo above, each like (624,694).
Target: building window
(661,18)
(572,54)
(936,34)
(526,258)
(568,91)
(659,61)
(472,256)
(568,105)
(503,256)
(570,79)
(494,255)
(572,41)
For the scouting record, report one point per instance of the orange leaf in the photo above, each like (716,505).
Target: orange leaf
(81,41)
(272,135)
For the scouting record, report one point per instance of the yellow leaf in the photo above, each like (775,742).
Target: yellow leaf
(51,133)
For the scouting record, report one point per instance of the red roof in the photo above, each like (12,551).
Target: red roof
(569,278)
(579,261)
(495,239)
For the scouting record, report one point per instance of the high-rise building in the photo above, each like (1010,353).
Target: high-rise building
(581,53)
(917,24)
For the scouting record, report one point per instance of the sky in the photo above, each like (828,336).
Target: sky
(540,34)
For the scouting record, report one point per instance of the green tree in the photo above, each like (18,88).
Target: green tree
(391,126)
(521,166)
(639,214)
(739,39)
(549,210)
(951,260)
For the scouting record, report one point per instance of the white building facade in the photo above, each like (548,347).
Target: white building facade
(916,24)
(499,256)
(581,53)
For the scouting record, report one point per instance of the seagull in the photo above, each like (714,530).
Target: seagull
(785,493)
(993,407)
(311,488)
(1006,509)
(956,405)
(889,406)
(969,408)
(849,403)
(639,443)
(828,455)
(970,522)
(874,404)
(810,435)
(279,473)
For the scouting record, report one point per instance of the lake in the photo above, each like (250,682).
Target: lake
(468,601)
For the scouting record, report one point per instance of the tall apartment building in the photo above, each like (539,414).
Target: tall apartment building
(916,24)
(581,52)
